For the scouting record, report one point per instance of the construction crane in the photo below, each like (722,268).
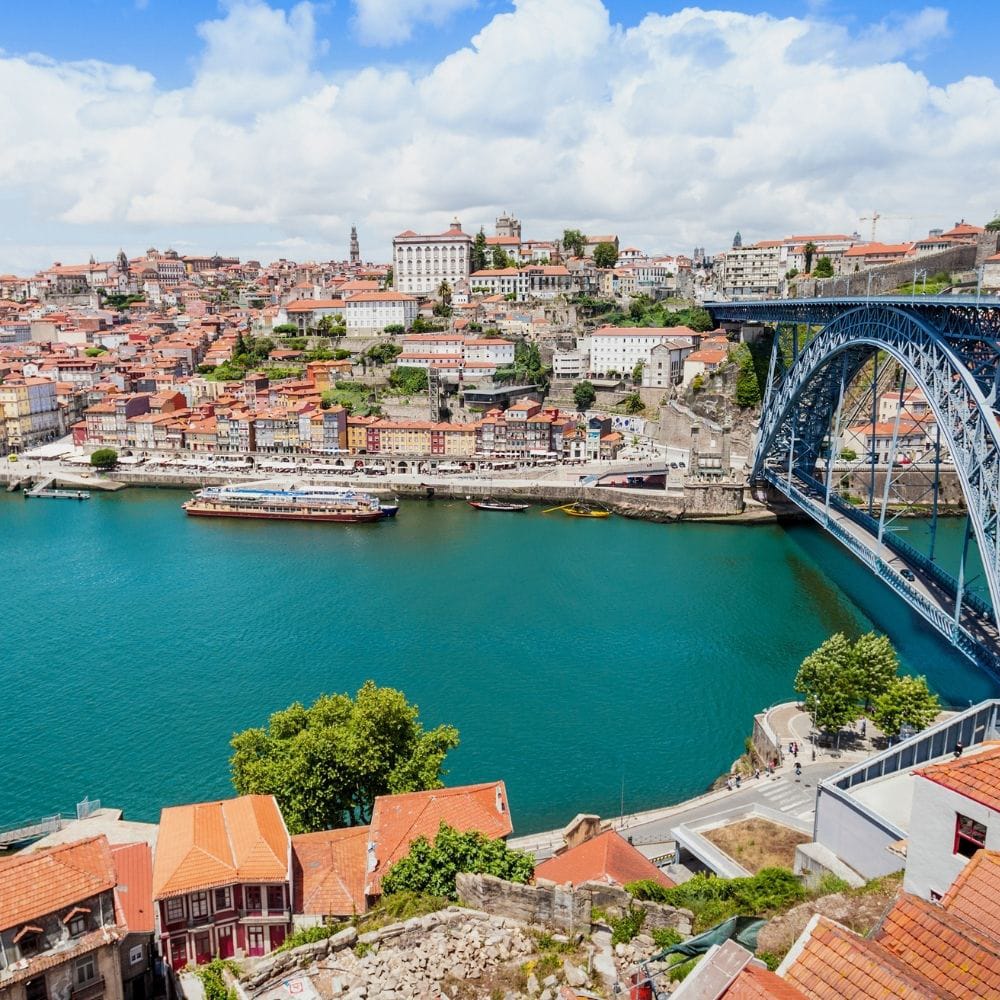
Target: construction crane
(875,216)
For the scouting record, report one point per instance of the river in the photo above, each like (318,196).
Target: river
(577,658)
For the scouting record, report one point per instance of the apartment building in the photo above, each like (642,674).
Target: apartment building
(370,312)
(30,411)
(751,272)
(222,877)
(421,263)
(620,349)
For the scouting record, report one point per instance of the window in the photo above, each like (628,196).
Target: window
(275,897)
(253,897)
(135,955)
(970,836)
(255,940)
(175,910)
(223,898)
(34,989)
(199,904)
(85,971)
(77,925)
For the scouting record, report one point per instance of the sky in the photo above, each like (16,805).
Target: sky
(266,128)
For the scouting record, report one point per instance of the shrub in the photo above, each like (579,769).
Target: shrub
(212,980)
(624,928)
(666,937)
(104,458)
(307,935)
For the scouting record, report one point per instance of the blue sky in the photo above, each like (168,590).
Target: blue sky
(160,35)
(267,127)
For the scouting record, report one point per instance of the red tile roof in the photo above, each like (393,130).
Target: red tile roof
(328,871)
(397,820)
(835,964)
(754,983)
(973,895)
(220,843)
(134,872)
(957,956)
(45,881)
(976,775)
(608,857)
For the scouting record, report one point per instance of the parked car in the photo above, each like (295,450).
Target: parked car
(907,574)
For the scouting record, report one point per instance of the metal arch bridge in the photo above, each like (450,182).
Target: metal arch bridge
(948,347)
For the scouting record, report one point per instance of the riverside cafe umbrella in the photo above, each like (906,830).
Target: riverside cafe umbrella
(743,930)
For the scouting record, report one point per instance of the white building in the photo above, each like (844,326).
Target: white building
(753,272)
(665,366)
(957,804)
(421,263)
(500,281)
(619,349)
(450,352)
(703,362)
(372,312)
(570,364)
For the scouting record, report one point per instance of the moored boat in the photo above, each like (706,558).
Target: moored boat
(580,509)
(497,505)
(339,506)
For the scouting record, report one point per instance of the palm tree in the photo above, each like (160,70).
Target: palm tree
(809,249)
(444,293)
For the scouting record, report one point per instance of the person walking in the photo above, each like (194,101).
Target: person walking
(798,770)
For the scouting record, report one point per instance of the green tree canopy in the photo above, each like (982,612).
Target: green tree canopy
(574,242)
(478,256)
(605,255)
(409,380)
(383,354)
(637,372)
(502,259)
(875,665)
(285,330)
(905,701)
(584,395)
(826,682)
(325,764)
(389,278)
(809,250)
(431,867)
(824,268)
(104,458)
(633,403)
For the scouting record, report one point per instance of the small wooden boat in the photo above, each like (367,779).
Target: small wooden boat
(580,509)
(499,505)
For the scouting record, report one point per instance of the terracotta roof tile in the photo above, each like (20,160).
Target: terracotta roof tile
(397,820)
(134,872)
(328,871)
(608,857)
(754,983)
(218,843)
(976,775)
(44,881)
(973,895)
(834,963)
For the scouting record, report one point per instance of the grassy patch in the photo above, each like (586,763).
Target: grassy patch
(758,843)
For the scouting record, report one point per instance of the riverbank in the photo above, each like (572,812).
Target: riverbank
(659,506)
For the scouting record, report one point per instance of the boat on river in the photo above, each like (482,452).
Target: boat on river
(497,505)
(580,509)
(313,504)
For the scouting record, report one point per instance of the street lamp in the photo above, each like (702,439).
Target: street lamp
(913,287)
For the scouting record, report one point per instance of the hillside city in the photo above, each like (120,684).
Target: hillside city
(464,348)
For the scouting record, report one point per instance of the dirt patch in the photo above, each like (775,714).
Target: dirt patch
(758,843)
(859,909)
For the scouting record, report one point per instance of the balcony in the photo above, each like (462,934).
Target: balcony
(203,921)
(264,917)
(88,991)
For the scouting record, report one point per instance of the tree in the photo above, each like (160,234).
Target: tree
(477,258)
(409,380)
(605,255)
(285,330)
(501,259)
(875,666)
(388,278)
(430,868)
(826,681)
(637,372)
(104,458)
(824,268)
(383,354)
(326,764)
(633,403)
(906,701)
(791,273)
(444,293)
(574,242)
(809,249)
(584,395)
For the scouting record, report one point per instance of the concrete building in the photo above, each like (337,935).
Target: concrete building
(665,366)
(752,272)
(371,312)
(421,263)
(620,349)
(30,411)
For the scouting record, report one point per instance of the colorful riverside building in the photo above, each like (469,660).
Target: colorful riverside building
(222,880)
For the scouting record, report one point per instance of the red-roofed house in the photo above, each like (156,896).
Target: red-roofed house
(60,927)
(222,880)
(328,872)
(397,820)
(608,857)
(958,804)
(134,892)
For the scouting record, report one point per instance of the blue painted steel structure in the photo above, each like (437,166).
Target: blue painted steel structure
(949,348)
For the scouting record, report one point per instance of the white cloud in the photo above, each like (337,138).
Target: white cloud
(674,132)
(390,22)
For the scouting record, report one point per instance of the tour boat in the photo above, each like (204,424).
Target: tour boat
(389,509)
(316,504)
(580,509)
(497,505)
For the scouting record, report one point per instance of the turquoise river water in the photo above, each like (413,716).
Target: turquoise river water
(574,656)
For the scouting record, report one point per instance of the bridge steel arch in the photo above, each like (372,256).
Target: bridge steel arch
(952,356)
